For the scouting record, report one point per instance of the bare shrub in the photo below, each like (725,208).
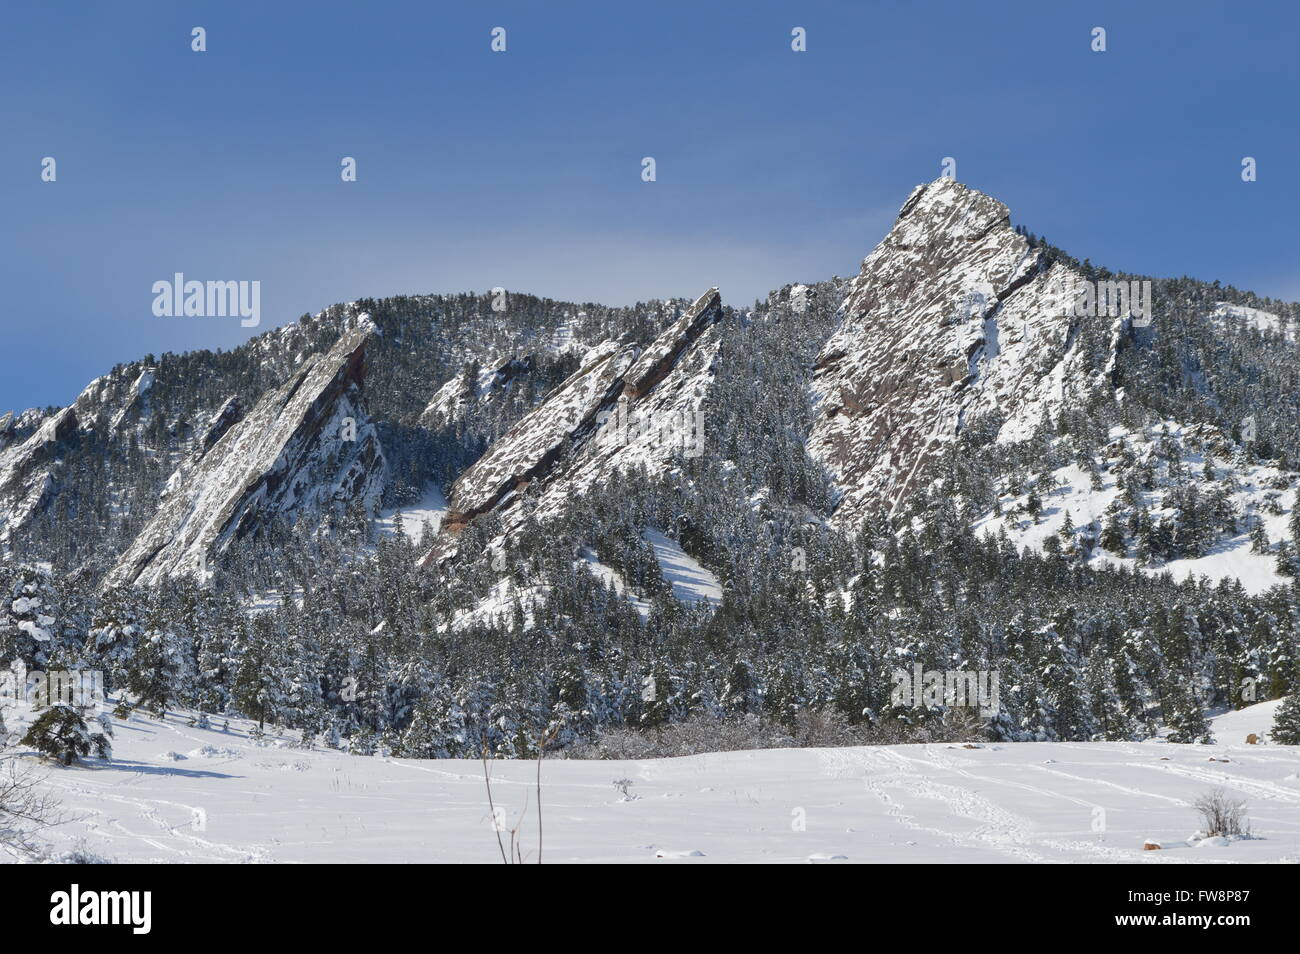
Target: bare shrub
(955,724)
(698,734)
(25,809)
(825,728)
(515,855)
(1221,814)
(624,786)
(821,728)
(965,724)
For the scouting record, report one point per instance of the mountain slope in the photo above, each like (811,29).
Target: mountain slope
(29,470)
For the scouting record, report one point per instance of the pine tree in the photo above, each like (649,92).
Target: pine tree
(1258,537)
(1286,722)
(1109,719)
(158,669)
(115,633)
(1112,536)
(29,630)
(1063,688)
(1285,563)
(61,733)
(657,691)
(423,738)
(570,716)
(1133,709)
(738,692)
(1034,505)
(1187,720)
(260,679)
(1145,550)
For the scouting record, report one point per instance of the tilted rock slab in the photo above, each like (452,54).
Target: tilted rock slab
(292,454)
(622,408)
(29,470)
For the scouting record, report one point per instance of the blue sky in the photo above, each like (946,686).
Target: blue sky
(523,168)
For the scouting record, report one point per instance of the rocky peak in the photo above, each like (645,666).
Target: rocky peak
(953,315)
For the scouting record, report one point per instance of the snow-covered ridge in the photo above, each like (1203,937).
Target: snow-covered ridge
(1232,316)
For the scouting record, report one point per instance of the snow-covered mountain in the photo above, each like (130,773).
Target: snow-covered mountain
(505,515)
(957,324)
(29,470)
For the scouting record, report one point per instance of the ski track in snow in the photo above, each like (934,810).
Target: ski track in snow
(1001,802)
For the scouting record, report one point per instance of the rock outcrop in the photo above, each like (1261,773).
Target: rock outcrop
(953,316)
(29,470)
(306,446)
(461,397)
(625,406)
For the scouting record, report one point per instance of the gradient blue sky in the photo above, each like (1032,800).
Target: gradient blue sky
(522,168)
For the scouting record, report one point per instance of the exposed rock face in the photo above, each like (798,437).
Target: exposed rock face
(227,416)
(529,451)
(623,407)
(953,315)
(461,397)
(137,401)
(29,470)
(35,446)
(306,446)
(8,427)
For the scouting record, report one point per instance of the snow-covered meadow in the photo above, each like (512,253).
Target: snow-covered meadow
(176,793)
